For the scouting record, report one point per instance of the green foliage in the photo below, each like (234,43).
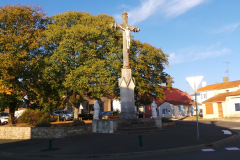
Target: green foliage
(20,52)
(80,45)
(43,124)
(148,64)
(69,57)
(33,117)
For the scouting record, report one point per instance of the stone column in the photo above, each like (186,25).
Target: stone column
(127,85)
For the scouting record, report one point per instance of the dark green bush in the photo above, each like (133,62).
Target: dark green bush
(164,119)
(86,116)
(33,117)
(43,124)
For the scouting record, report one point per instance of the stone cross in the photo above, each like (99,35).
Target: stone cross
(126,37)
(126,82)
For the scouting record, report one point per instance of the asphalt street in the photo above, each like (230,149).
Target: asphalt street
(182,135)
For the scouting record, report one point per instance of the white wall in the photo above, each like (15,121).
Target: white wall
(116,105)
(229,89)
(231,107)
(168,107)
(215,111)
(173,111)
(212,93)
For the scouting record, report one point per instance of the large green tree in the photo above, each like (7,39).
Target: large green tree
(87,56)
(20,51)
(81,46)
(148,64)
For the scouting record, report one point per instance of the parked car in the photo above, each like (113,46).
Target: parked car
(53,118)
(105,112)
(64,115)
(111,115)
(4,117)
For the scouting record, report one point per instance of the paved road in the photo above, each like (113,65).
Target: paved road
(182,135)
(218,153)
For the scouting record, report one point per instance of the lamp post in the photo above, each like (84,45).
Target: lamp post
(194,83)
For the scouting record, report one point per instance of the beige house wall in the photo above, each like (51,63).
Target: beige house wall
(215,111)
(231,107)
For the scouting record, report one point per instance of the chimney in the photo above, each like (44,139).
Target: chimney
(204,83)
(225,79)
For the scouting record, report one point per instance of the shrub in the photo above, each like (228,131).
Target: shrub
(86,116)
(78,123)
(43,124)
(164,119)
(33,117)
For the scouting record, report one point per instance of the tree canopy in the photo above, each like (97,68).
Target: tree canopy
(71,56)
(20,40)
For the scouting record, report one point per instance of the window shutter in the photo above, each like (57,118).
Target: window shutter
(209,108)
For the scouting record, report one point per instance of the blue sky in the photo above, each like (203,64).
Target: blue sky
(199,35)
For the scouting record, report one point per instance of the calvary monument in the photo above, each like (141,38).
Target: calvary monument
(126,82)
(128,121)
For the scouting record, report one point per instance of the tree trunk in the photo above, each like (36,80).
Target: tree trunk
(76,110)
(11,114)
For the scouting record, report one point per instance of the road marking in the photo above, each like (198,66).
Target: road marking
(232,148)
(207,150)
(226,132)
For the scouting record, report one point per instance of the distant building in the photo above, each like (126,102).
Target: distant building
(221,99)
(176,104)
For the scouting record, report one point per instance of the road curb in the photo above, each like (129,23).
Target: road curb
(227,140)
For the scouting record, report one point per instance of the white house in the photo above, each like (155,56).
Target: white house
(175,109)
(220,100)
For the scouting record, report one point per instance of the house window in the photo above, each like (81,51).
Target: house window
(205,96)
(237,106)
(163,111)
(209,108)
(179,108)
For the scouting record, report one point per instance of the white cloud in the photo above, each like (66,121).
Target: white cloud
(175,59)
(168,8)
(189,55)
(147,8)
(229,27)
(123,6)
(177,7)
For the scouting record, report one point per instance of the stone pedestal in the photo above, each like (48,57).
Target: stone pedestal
(117,125)
(127,85)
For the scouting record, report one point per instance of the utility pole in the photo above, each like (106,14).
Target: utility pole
(227,71)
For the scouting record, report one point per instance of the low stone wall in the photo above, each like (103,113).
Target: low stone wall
(15,132)
(42,132)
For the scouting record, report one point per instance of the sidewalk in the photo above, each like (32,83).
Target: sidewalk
(193,118)
(172,139)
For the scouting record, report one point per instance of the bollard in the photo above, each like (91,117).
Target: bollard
(140,141)
(50,144)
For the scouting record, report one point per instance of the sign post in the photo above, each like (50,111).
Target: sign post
(194,83)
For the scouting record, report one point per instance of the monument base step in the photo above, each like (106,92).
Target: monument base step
(139,130)
(126,125)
